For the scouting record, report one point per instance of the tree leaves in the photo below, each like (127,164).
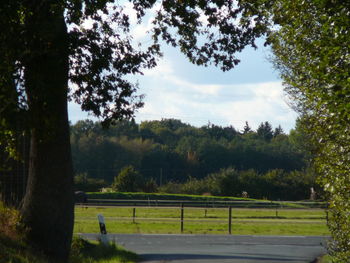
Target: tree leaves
(313,58)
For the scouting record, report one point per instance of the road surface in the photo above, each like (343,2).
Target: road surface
(221,248)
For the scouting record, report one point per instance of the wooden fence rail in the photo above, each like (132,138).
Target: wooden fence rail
(209,204)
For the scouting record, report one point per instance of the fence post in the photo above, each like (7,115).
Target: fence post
(229,219)
(277,211)
(278,205)
(182,218)
(133,214)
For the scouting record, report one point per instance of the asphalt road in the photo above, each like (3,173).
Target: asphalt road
(221,248)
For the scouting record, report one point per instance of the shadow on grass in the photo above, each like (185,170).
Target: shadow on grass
(86,251)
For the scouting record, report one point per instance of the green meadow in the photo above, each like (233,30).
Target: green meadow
(152,220)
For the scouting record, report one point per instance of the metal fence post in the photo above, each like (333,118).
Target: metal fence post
(229,219)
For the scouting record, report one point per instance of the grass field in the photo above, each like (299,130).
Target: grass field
(202,221)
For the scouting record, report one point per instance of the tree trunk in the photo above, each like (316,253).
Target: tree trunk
(48,205)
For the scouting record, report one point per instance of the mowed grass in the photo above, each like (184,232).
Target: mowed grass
(150,220)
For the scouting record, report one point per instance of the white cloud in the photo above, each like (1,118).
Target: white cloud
(172,97)
(162,70)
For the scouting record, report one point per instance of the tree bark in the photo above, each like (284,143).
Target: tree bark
(47,209)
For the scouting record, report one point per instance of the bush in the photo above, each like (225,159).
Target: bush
(10,223)
(170,188)
(128,180)
(273,185)
(83,183)
(150,186)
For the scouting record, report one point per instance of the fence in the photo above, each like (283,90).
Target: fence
(185,217)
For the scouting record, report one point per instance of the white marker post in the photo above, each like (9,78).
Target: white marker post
(103,236)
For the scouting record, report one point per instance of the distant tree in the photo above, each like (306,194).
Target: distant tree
(173,124)
(212,156)
(278,131)
(247,129)
(230,132)
(228,182)
(265,131)
(128,180)
(217,132)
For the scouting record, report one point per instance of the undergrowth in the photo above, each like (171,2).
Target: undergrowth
(13,248)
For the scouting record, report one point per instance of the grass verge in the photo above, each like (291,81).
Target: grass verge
(93,252)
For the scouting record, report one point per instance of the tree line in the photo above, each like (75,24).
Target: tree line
(169,152)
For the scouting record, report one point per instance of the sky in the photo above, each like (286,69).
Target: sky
(251,92)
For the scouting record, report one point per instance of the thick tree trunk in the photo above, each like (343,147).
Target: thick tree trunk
(48,204)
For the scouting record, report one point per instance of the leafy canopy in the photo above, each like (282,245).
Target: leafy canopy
(312,53)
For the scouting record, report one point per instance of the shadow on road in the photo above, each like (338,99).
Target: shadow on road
(214,258)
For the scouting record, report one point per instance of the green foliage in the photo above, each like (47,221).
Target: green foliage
(181,163)
(150,186)
(10,226)
(12,239)
(128,180)
(312,49)
(273,185)
(265,131)
(182,152)
(326,259)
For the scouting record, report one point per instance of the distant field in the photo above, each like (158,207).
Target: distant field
(202,221)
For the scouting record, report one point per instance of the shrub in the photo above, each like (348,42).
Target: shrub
(83,183)
(150,186)
(10,223)
(170,188)
(128,180)
(273,185)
